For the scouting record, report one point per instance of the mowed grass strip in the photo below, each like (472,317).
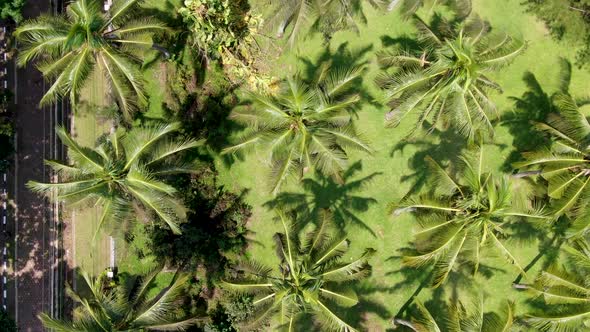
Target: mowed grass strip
(91,256)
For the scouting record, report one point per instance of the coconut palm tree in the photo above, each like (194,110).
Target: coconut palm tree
(468,213)
(70,48)
(126,169)
(292,17)
(565,165)
(306,125)
(446,78)
(312,276)
(458,317)
(565,291)
(125,307)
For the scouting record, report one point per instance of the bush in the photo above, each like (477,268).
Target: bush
(228,315)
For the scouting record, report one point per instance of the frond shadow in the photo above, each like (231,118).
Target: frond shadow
(342,57)
(533,106)
(323,192)
(443,146)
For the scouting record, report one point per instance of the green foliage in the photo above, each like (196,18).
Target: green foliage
(127,307)
(458,317)
(306,125)
(124,170)
(217,23)
(12,9)
(409,7)
(214,233)
(291,18)
(564,290)
(467,212)
(7,324)
(567,20)
(226,30)
(69,48)
(312,276)
(564,164)
(445,79)
(228,315)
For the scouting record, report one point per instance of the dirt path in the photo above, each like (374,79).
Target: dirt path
(34,250)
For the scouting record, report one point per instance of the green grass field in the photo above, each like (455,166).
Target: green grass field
(397,166)
(388,288)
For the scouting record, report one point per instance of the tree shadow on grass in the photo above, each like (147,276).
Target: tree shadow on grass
(342,57)
(445,147)
(533,106)
(325,193)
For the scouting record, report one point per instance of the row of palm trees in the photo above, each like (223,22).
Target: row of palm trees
(308,126)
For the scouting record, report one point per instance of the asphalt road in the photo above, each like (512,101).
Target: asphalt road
(34,280)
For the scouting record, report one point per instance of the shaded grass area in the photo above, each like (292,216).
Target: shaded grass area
(400,163)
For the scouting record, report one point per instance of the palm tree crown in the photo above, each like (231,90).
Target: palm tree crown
(446,79)
(306,125)
(459,317)
(126,307)
(466,215)
(566,163)
(71,47)
(123,170)
(565,290)
(312,276)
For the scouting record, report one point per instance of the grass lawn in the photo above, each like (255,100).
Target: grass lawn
(399,168)
(92,256)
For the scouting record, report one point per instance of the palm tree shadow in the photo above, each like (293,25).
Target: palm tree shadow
(357,315)
(325,193)
(342,57)
(532,106)
(443,146)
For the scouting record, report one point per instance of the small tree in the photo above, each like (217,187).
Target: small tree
(312,275)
